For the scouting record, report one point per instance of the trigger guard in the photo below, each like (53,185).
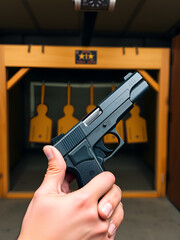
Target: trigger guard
(102,147)
(120,141)
(114,132)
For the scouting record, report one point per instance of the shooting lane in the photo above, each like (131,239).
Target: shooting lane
(17,69)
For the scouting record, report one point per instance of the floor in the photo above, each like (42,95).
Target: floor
(145,219)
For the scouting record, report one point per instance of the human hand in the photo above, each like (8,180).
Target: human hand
(55,213)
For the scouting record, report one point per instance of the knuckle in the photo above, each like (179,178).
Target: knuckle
(37,194)
(122,215)
(92,215)
(109,177)
(118,192)
(119,218)
(117,188)
(112,177)
(83,201)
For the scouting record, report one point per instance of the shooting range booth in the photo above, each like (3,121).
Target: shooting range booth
(139,167)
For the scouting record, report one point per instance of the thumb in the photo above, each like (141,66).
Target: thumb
(55,174)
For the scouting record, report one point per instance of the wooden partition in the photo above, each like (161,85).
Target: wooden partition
(174,153)
(140,59)
(3,127)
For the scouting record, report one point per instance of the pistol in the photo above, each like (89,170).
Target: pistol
(82,146)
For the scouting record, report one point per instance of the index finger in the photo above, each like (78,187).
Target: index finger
(99,185)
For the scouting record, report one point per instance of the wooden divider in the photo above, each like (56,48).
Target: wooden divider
(107,58)
(4,180)
(174,128)
(162,124)
(64,57)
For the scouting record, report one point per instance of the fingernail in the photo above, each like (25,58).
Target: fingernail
(48,152)
(107,209)
(112,229)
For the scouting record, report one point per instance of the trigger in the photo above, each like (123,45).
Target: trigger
(99,151)
(100,155)
(101,145)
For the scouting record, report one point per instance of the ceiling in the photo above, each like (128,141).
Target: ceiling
(132,18)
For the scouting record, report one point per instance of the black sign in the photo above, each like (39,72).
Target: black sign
(86,57)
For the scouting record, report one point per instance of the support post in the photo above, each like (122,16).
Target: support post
(162,124)
(3,128)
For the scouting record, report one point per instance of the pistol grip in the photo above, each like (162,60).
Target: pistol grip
(87,170)
(84,165)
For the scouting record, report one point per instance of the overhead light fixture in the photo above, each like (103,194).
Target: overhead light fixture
(94,5)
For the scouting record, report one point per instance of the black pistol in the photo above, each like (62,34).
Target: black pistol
(82,146)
